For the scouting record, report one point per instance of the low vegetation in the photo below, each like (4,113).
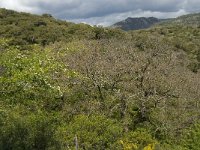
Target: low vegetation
(68,86)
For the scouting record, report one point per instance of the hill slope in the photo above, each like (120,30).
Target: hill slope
(24,28)
(185,20)
(101,88)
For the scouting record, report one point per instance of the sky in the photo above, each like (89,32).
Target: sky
(104,12)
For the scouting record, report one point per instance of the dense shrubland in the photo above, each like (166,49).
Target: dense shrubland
(26,29)
(102,89)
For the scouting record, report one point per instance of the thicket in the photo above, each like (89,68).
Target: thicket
(104,89)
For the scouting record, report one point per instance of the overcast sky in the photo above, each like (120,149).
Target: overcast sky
(104,12)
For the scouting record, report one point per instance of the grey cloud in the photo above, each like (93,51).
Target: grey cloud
(96,8)
(113,18)
(96,11)
(192,5)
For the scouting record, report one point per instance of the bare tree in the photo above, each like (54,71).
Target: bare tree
(154,80)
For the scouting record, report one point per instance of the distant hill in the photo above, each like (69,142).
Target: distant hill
(136,23)
(143,23)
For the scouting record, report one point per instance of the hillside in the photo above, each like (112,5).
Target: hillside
(64,84)
(185,20)
(25,29)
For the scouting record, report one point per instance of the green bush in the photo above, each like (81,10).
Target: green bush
(93,132)
(191,137)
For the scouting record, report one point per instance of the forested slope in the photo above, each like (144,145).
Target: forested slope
(106,88)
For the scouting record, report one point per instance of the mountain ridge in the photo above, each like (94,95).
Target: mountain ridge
(138,23)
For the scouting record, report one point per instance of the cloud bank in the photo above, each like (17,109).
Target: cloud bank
(104,12)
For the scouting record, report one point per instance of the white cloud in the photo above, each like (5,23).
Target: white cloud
(17,5)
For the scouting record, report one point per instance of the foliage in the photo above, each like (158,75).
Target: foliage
(93,132)
(30,76)
(97,88)
(25,29)
(139,139)
(191,137)
(21,129)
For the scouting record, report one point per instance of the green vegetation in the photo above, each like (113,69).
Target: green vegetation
(191,20)
(64,85)
(26,29)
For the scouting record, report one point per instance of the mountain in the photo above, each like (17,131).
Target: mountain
(136,23)
(143,23)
